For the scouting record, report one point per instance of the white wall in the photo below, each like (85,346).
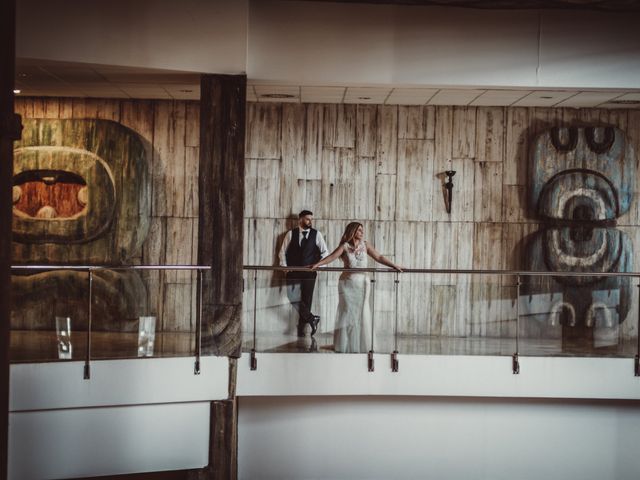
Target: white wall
(324,43)
(289,374)
(439,438)
(191,35)
(131,416)
(108,441)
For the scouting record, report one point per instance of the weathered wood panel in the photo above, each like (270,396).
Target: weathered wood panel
(387,139)
(168,164)
(314,140)
(415,180)
(411,123)
(490,134)
(385,197)
(516,144)
(367,128)
(221,194)
(488,148)
(488,192)
(464,132)
(263,125)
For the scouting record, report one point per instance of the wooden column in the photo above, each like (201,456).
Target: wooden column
(221,212)
(220,242)
(8,132)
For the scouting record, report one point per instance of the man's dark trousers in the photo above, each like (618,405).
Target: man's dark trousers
(300,286)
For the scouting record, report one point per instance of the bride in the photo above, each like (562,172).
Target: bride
(353,322)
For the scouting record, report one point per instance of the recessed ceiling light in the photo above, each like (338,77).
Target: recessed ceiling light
(364,98)
(185,91)
(23,75)
(277,95)
(16,91)
(625,102)
(546,97)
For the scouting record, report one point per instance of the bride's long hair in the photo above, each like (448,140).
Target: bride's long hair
(350,233)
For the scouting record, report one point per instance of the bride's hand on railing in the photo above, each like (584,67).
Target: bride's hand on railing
(314,266)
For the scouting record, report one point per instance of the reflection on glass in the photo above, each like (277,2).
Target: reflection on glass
(146,336)
(63,333)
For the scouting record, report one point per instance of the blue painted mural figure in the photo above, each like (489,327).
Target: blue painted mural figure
(582,181)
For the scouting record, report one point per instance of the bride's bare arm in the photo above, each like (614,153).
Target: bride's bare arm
(330,258)
(373,253)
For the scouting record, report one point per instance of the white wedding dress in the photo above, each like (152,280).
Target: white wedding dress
(353,320)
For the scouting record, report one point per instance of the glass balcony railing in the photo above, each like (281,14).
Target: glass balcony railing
(102,312)
(449,312)
(88,312)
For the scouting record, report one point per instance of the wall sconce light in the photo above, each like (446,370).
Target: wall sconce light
(449,186)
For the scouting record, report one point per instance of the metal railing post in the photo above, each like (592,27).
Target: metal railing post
(395,364)
(637,359)
(253,360)
(87,360)
(196,367)
(515,362)
(370,361)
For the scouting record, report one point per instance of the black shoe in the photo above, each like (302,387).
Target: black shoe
(314,324)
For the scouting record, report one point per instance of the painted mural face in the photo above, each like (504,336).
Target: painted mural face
(80,196)
(582,181)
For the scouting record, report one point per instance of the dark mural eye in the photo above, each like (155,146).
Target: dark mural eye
(600,140)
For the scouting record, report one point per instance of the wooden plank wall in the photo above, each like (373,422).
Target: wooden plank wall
(171,130)
(384,166)
(380,164)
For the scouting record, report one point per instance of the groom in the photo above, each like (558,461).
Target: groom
(301,247)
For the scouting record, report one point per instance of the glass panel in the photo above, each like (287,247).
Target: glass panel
(135,313)
(578,315)
(456,314)
(49,315)
(152,309)
(448,314)
(283,321)
(384,312)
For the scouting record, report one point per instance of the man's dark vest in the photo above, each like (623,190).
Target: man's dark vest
(300,257)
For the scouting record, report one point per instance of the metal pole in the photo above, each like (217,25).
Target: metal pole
(515,363)
(394,356)
(87,360)
(196,368)
(370,363)
(254,360)
(637,359)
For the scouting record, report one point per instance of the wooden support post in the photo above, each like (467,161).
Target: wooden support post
(220,244)
(221,195)
(8,132)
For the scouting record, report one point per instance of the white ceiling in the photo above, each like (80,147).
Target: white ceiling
(37,78)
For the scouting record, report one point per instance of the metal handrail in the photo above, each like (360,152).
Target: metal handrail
(110,267)
(445,271)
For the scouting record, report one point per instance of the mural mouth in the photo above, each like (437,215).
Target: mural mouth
(50,194)
(61,195)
